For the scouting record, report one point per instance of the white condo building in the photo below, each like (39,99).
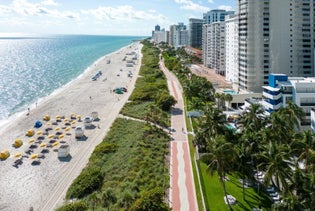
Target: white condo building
(275,35)
(178,35)
(231,50)
(214,46)
(161,36)
(213,40)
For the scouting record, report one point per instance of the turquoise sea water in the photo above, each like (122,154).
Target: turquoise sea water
(32,68)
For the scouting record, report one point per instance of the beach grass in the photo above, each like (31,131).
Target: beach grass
(152,82)
(130,160)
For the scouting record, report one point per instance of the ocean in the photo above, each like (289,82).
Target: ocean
(32,68)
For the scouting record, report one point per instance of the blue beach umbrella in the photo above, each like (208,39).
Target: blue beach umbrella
(38,124)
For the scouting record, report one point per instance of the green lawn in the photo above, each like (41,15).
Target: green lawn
(213,193)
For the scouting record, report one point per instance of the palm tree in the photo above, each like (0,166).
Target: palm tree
(244,161)
(217,96)
(277,166)
(293,115)
(221,156)
(108,198)
(307,150)
(213,121)
(228,98)
(253,118)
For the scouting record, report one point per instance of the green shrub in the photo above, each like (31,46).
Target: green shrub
(105,148)
(165,101)
(74,206)
(150,200)
(88,181)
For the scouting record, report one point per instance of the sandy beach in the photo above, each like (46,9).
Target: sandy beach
(43,186)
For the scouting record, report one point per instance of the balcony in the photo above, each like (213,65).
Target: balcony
(270,106)
(272,96)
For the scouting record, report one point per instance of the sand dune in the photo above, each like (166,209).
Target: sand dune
(43,186)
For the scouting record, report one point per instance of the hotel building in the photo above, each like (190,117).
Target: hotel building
(282,89)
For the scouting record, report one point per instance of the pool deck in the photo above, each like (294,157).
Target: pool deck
(216,79)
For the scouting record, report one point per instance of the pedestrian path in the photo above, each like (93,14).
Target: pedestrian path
(182,191)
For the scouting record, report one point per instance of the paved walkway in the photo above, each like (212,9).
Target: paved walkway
(182,191)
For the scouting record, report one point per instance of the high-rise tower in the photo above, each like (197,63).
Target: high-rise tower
(274,36)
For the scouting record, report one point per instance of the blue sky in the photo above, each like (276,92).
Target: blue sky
(106,17)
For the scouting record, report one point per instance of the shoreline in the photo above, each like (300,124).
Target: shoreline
(43,186)
(4,123)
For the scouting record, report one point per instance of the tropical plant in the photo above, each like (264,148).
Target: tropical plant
(228,98)
(150,200)
(94,200)
(276,163)
(108,198)
(221,156)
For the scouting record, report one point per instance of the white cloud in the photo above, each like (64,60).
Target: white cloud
(5,10)
(25,8)
(189,5)
(49,3)
(211,1)
(225,7)
(125,12)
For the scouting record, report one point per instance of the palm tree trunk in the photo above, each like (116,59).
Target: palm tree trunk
(224,189)
(243,189)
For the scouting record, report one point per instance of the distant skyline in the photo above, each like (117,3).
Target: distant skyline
(100,17)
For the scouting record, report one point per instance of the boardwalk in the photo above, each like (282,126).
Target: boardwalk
(182,191)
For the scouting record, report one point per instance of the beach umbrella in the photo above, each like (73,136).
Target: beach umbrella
(61,136)
(4,154)
(72,116)
(18,142)
(30,132)
(43,144)
(38,124)
(79,117)
(39,132)
(18,155)
(73,122)
(66,120)
(47,118)
(48,126)
(51,136)
(58,117)
(57,128)
(67,128)
(33,156)
(31,141)
(55,144)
